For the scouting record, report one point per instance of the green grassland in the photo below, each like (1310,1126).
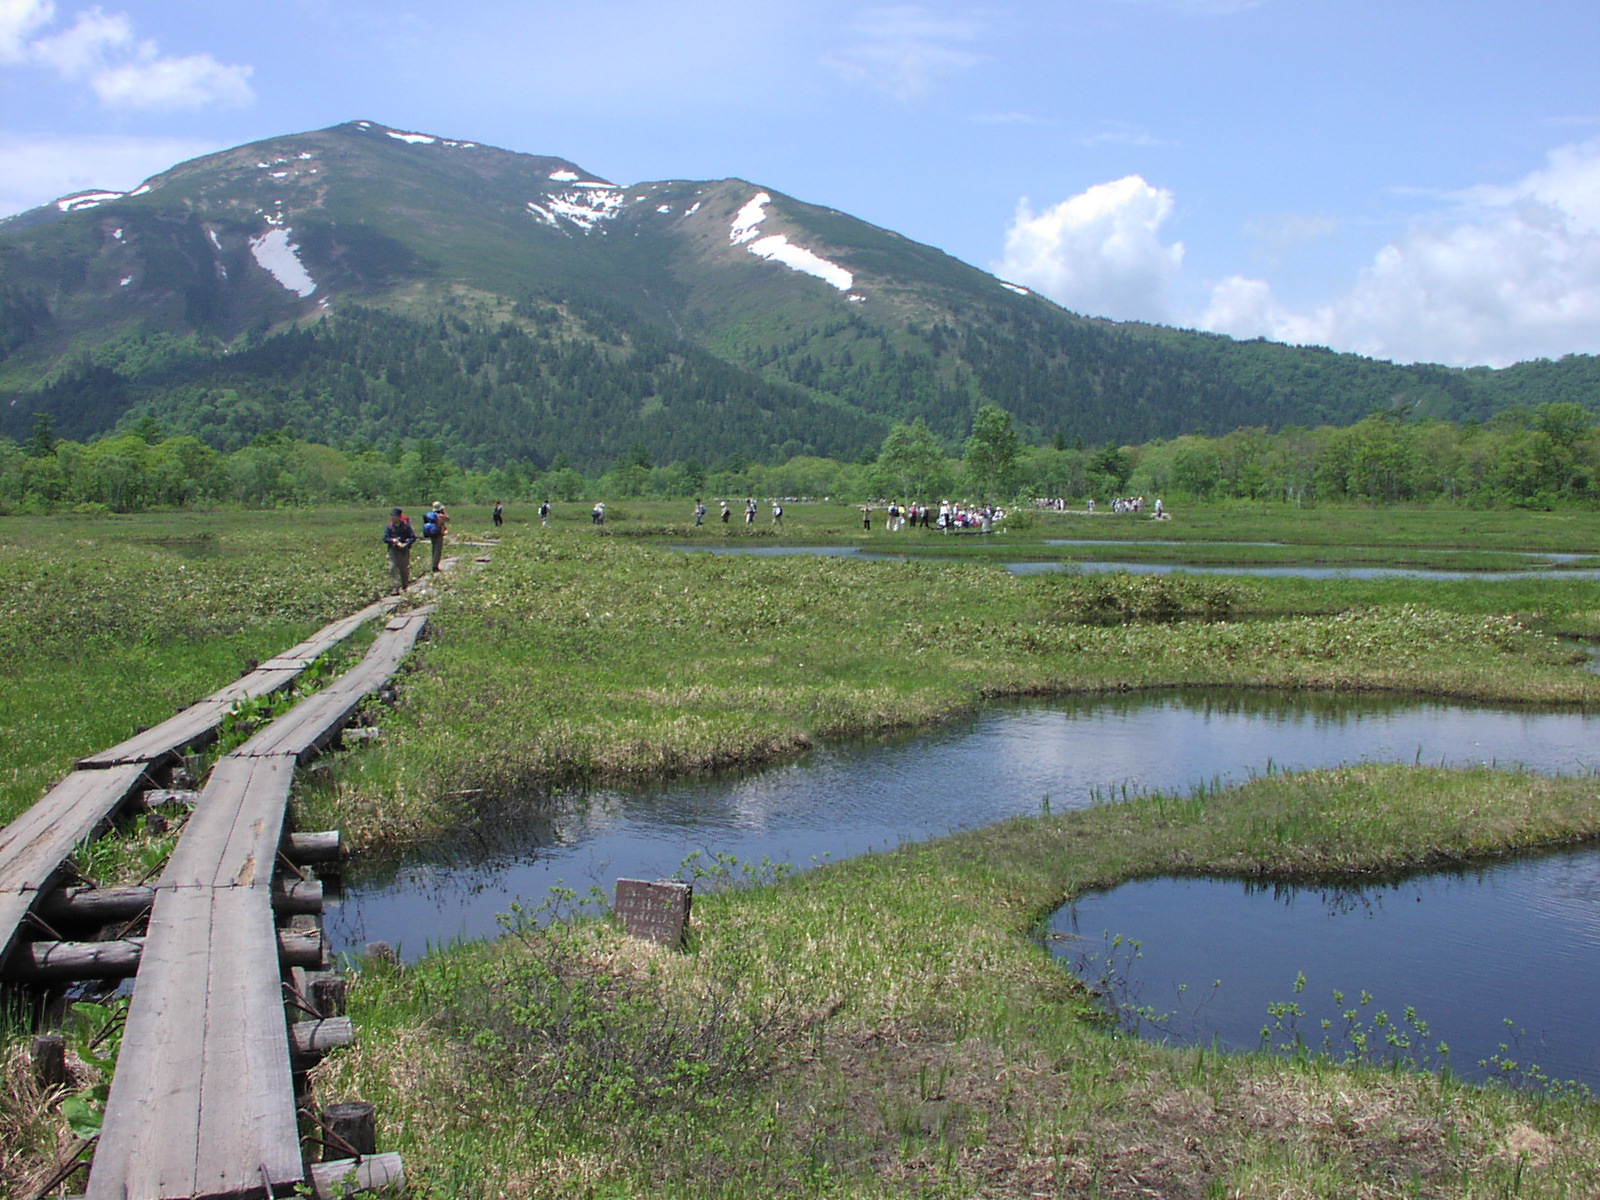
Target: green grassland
(886,1026)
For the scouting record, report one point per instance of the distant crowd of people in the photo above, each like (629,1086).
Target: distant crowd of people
(1121,504)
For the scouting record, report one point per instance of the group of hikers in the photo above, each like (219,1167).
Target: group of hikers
(1122,504)
(948,517)
(751,511)
(399,537)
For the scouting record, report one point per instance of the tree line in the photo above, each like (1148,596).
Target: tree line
(1544,456)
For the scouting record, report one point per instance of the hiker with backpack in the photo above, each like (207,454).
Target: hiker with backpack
(434,524)
(398,538)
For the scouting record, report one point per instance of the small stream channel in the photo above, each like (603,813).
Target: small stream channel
(1531,925)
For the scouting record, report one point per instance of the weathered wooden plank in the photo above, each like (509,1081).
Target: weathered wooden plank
(33,847)
(232,838)
(315,721)
(197,724)
(194,726)
(202,1099)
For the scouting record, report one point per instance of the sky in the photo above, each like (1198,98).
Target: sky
(1417,180)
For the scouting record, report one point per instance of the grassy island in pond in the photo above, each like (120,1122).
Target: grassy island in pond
(884,1026)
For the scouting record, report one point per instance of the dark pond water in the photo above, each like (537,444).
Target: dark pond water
(1150,568)
(1516,942)
(845,800)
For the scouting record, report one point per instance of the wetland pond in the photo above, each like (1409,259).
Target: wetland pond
(1518,940)
(1099,567)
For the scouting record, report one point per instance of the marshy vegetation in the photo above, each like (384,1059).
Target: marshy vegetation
(883,1026)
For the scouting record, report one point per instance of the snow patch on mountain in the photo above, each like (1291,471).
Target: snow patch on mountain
(777,248)
(412,139)
(543,214)
(281,257)
(747,218)
(563,176)
(663,208)
(694,208)
(126,280)
(117,233)
(1011,287)
(85,200)
(585,208)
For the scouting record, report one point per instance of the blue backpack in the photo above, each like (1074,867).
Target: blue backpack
(430,525)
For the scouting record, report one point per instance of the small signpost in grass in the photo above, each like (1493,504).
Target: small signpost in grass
(657,912)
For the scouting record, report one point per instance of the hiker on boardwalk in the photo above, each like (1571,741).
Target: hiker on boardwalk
(725,511)
(398,538)
(499,514)
(544,514)
(434,523)
(699,511)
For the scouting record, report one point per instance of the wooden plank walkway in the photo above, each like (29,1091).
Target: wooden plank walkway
(198,723)
(314,722)
(33,847)
(202,1100)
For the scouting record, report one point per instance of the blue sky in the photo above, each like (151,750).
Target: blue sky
(1414,179)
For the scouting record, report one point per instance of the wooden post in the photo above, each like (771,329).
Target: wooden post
(313,847)
(300,947)
(375,1173)
(355,1123)
(48,1056)
(328,995)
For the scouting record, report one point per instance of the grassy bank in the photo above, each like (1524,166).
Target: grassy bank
(584,657)
(886,1026)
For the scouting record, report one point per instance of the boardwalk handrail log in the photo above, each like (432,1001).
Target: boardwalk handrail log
(203,1101)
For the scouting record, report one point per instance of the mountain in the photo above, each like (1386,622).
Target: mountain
(364,282)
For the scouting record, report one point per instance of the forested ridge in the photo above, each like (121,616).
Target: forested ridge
(525,391)
(441,306)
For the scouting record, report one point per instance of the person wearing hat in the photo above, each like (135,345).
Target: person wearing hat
(398,538)
(433,527)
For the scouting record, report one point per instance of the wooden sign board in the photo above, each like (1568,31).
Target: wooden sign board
(657,912)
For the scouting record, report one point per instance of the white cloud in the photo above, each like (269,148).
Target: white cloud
(168,83)
(18,19)
(82,50)
(36,170)
(124,72)
(1513,272)
(1099,252)
(905,50)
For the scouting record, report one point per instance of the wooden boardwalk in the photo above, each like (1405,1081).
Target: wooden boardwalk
(202,1103)
(35,845)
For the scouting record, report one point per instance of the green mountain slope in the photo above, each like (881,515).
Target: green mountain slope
(362,282)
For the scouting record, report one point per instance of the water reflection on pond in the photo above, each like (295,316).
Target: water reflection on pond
(1517,941)
(848,799)
(1160,568)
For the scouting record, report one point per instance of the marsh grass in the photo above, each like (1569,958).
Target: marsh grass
(579,658)
(921,1043)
